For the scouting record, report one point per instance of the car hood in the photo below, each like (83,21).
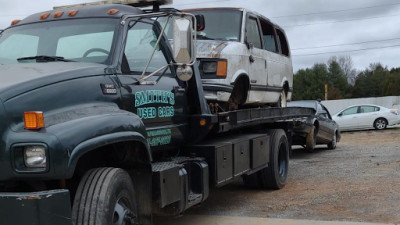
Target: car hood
(31,75)
(210,48)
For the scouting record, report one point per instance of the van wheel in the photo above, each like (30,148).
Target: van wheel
(282,102)
(105,196)
(239,94)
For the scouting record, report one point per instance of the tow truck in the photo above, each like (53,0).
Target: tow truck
(103,119)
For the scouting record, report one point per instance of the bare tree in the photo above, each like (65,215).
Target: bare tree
(346,63)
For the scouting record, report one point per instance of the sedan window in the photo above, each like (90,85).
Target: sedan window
(350,111)
(367,109)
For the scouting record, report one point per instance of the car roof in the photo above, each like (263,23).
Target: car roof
(365,105)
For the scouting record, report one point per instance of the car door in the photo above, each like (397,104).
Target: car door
(367,116)
(257,69)
(323,132)
(160,101)
(328,123)
(348,118)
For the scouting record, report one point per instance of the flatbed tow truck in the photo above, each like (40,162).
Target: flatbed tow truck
(103,122)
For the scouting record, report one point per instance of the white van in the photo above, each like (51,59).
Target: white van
(244,59)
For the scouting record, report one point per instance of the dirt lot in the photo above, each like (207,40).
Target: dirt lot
(359,181)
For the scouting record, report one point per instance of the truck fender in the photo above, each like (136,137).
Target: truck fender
(80,136)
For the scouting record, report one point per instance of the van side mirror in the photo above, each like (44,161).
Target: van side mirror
(183,45)
(340,114)
(200,23)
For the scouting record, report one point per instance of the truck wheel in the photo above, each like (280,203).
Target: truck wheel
(311,139)
(105,196)
(275,175)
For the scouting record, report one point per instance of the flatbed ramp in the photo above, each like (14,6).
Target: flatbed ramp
(233,220)
(250,117)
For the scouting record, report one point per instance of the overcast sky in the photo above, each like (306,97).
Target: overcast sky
(366,30)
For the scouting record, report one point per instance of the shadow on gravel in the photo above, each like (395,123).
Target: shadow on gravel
(300,153)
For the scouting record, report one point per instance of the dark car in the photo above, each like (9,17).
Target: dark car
(316,129)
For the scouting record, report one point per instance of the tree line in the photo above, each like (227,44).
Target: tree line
(344,81)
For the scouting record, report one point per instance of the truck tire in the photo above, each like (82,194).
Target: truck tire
(311,139)
(275,175)
(105,196)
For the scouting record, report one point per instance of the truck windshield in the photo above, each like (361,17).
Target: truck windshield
(79,40)
(220,24)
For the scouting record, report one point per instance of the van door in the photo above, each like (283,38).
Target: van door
(272,56)
(258,63)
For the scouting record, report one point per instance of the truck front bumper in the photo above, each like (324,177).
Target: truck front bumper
(36,208)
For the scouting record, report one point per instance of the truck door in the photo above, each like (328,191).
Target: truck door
(161,101)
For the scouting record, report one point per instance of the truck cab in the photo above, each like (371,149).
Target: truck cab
(244,59)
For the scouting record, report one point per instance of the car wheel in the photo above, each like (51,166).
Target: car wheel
(311,139)
(380,124)
(332,144)
(105,196)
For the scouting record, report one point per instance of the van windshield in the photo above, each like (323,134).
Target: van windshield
(220,24)
(86,40)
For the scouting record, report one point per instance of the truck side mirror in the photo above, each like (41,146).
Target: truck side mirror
(201,23)
(183,47)
(183,41)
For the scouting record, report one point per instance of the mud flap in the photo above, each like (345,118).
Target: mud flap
(36,208)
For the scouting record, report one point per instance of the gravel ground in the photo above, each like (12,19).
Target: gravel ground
(359,181)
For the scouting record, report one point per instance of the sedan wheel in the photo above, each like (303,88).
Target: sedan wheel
(380,124)
(311,139)
(332,144)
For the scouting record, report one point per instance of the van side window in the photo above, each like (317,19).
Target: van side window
(268,36)
(253,32)
(283,45)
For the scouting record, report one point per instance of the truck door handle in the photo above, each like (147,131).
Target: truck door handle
(179,90)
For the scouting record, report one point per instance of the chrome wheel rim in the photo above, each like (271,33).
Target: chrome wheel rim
(380,124)
(123,215)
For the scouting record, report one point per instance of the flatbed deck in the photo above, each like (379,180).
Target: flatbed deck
(233,120)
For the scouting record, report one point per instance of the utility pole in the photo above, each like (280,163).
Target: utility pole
(326,91)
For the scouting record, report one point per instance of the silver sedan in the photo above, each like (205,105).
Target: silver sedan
(360,117)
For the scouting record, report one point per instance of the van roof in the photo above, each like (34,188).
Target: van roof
(233,9)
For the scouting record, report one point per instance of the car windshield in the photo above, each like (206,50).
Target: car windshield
(220,25)
(302,104)
(86,40)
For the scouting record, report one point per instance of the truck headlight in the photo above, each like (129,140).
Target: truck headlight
(209,67)
(35,157)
